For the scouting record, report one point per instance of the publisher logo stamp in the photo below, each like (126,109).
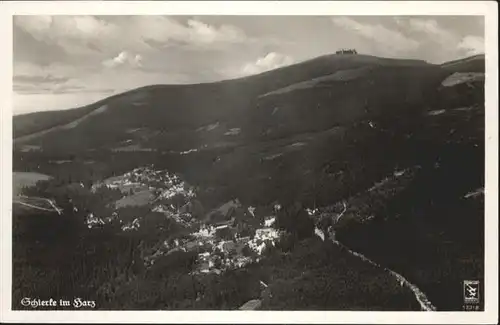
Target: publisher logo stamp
(471,292)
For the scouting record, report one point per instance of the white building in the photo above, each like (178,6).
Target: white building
(269,221)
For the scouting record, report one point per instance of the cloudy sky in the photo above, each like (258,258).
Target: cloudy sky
(66,61)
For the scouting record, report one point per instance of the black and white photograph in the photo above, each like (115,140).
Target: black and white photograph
(249,162)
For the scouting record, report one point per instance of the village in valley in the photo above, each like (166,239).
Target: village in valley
(228,237)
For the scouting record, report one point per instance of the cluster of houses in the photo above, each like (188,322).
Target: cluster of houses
(346,51)
(95,221)
(216,252)
(166,185)
(209,262)
(183,218)
(161,187)
(233,253)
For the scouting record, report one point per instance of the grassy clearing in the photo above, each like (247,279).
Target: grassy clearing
(21,180)
(136,199)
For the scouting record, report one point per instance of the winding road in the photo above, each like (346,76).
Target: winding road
(50,202)
(422,299)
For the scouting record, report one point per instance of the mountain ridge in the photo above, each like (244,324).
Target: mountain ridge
(315,68)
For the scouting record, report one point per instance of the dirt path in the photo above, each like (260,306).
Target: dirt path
(51,203)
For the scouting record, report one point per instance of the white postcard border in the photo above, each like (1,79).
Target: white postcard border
(489,9)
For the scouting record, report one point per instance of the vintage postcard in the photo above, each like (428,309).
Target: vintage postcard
(253,162)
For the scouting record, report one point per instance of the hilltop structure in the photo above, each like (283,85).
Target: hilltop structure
(346,51)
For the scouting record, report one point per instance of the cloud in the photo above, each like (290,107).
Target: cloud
(59,78)
(431,28)
(382,36)
(55,70)
(124,59)
(39,79)
(34,78)
(450,44)
(268,62)
(39,84)
(87,35)
(75,34)
(29,89)
(472,45)
(207,34)
(165,30)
